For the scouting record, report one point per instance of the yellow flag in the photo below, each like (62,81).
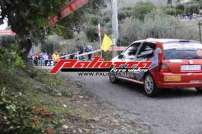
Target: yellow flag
(106,43)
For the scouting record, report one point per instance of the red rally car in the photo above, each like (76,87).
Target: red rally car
(175,64)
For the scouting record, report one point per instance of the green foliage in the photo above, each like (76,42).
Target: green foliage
(125,13)
(80,18)
(192,6)
(94,20)
(21,90)
(159,25)
(107,17)
(47,47)
(10,55)
(53,84)
(131,29)
(142,8)
(29,19)
(138,11)
(15,113)
(107,55)
(26,100)
(91,33)
(156,24)
(29,16)
(173,11)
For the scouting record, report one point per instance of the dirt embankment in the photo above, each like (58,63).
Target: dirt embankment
(59,105)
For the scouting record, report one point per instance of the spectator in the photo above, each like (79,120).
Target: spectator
(49,60)
(40,59)
(72,54)
(89,48)
(36,59)
(55,57)
(45,58)
(33,57)
(80,51)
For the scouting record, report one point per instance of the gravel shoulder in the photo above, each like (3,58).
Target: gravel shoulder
(91,115)
(172,112)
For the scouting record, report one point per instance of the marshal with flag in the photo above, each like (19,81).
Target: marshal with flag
(106,43)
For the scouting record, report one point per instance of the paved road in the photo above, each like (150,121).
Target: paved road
(173,112)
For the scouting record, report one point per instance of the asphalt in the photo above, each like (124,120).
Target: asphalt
(172,112)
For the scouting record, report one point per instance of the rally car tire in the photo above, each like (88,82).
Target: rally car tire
(113,78)
(150,88)
(199,90)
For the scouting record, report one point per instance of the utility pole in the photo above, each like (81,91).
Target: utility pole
(100,38)
(115,27)
(199,28)
(170,3)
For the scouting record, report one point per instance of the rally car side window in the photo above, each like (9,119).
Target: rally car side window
(131,51)
(146,50)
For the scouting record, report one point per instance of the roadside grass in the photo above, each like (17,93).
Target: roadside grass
(40,92)
(33,101)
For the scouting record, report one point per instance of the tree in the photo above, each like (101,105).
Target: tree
(29,19)
(85,19)
(156,24)
(143,8)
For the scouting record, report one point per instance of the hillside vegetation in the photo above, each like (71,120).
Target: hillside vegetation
(129,3)
(32,101)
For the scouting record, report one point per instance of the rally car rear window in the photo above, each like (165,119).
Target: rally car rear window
(183,50)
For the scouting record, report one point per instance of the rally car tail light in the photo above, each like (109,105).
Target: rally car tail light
(165,67)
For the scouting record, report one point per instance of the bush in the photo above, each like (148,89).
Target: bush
(91,33)
(173,11)
(10,55)
(138,11)
(15,114)
(131,30)
(125,13)
(142,8)
(159,25)
(156,24)
(25,101)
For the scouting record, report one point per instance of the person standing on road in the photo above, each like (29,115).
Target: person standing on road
(36,59)
(41,59)
(45,58)
(49,60)
(81,51)
(55,57)
(89,48)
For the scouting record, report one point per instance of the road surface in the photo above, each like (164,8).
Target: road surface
(173,112)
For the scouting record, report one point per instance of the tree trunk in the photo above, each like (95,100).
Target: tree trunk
(25,47)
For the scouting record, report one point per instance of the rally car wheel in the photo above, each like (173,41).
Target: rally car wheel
(112,77)
(199,89)
(149,86)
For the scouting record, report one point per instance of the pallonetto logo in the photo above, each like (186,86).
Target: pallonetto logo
(98,65)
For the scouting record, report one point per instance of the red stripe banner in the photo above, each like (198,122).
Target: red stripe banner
(66,10)
(71,7)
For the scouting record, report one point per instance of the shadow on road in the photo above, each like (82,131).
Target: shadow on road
(163,94)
